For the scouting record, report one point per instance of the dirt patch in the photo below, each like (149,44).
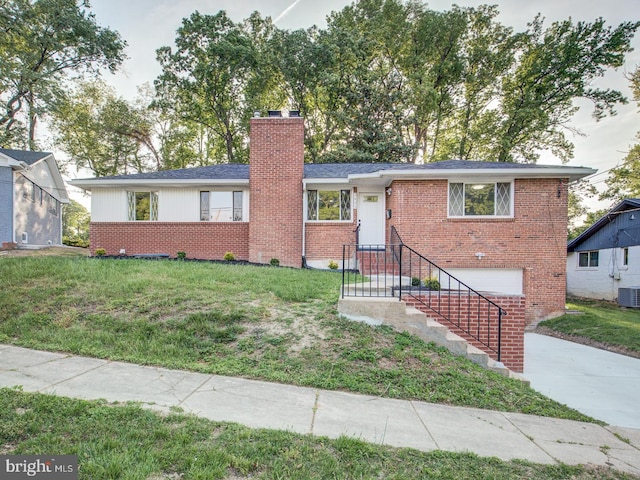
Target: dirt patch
(58,251)
(587,341)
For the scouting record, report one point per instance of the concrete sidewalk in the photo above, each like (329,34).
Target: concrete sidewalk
(257,404)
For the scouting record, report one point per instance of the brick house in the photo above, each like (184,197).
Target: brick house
(32,193)
(499,226)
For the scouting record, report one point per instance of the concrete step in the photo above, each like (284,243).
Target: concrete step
(392,312)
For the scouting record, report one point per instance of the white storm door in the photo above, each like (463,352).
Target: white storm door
(371,218)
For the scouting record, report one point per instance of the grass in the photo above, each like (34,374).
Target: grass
(127,442)
(274,324)
(601,322)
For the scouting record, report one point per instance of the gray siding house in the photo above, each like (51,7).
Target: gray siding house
(32,193)
(606,256)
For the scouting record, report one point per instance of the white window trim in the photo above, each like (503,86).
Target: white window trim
(588,267)
(230,189)
(328,188)
(157,205)
(465,181)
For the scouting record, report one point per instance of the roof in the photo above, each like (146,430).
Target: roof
(239,173)
(25,156)
(625,205)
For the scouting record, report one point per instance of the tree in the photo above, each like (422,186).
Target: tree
(556,66)
(103,132)
(205,80)
(41,43)
(624,180)
(75,222)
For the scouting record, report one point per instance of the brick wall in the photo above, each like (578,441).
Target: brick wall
(276,167)
(324,240)
(534,240)
(204,240)
(463,311)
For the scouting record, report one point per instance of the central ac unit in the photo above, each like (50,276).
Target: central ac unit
(629,297)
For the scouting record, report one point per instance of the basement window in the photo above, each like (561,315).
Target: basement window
(142,206)
(588,259)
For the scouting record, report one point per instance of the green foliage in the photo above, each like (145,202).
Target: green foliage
(601,321)
(100,252)
(42,42)
(274,262)
(275,324)
(75,242)
(128,441)
(181,255)
(333,265)
(415,282)
(75,221)
(432,283)
(229,257)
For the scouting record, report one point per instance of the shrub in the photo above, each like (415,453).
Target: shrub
(75,242)
(229,257)
(181,255)
(333,265)
(432,283)
(274,262)
(415,282)
(100,252)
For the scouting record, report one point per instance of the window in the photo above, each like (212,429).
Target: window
(588,259)
(480,199)
(204,206)
(142,206)
(625,257)
(221,206)
(54,205)
(329,205)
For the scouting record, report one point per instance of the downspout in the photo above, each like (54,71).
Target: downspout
(304,225)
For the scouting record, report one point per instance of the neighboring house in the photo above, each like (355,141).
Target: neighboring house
(499,227)
(606,256)
(32,192)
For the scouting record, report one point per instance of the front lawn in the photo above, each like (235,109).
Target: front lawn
(599,323)
(274,324)
(127,442)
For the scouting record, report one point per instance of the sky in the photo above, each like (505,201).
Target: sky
(147,25)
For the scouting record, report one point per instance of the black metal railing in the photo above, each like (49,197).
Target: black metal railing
(397,270)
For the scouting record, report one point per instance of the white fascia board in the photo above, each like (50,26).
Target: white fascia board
(90,183)
(325,181)
(573,173)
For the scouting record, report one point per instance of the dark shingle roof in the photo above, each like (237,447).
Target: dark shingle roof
(227,171)
(318,170)
(24,156)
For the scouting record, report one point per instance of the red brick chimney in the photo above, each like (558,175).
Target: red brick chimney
(276,169)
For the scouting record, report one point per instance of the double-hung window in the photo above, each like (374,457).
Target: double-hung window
(142,206)
(329,205)
(481,199)
(588,259)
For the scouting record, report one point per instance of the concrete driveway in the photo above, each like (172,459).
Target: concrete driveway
(601,384)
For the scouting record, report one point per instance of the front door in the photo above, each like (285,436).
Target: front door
(371,218)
